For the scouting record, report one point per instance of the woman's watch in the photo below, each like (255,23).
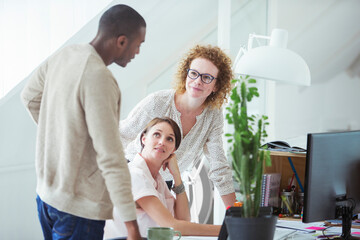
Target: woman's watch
(179,189)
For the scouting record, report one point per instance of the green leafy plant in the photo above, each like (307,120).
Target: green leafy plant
(247,155)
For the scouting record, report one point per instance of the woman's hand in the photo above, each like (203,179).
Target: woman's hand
(171,164)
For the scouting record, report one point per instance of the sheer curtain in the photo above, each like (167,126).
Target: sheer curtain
(31,30)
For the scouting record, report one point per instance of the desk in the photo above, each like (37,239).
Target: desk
(197,238)
(280,234)
(316,233)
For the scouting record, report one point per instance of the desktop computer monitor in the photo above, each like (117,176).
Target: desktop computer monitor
(332,178)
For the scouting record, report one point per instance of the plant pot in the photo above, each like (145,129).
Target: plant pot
(262,227)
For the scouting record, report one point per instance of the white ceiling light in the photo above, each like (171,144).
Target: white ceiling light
(273,62)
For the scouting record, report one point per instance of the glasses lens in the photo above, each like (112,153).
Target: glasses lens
(207,78)
(193,74)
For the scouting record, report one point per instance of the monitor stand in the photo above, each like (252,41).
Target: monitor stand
(346,213)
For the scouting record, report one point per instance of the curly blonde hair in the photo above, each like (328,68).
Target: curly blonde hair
(223,80)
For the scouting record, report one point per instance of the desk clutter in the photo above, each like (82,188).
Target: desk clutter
(283,189)
(295,229)
(292,228)
(282,183)
(289,201)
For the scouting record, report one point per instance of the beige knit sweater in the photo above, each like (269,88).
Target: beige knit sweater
(80,164)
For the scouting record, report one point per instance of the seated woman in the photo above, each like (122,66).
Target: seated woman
(156,206)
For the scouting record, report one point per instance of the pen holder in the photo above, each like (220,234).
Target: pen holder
(287,203)
(299,202)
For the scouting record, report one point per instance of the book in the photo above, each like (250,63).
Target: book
(270,189)
(263,184)
(283,147)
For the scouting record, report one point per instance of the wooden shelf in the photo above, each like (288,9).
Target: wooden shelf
(280,164)
(287,154)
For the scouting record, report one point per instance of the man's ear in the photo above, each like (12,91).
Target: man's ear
(122,41)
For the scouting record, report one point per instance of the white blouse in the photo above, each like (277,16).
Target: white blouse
(142,184)
(205,137)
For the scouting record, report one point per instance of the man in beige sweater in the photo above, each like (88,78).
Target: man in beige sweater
(75,101)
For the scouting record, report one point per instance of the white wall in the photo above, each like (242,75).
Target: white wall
(18,210)
(326,34)
(17,174)
(33,29)
(331,105)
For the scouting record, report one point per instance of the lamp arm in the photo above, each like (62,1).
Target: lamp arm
(251,39)
(241,52)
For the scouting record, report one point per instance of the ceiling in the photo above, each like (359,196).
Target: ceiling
(326,33)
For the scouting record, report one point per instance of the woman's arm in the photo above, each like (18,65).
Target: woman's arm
(220,171)
(181,208)
(229,199)
(158,212)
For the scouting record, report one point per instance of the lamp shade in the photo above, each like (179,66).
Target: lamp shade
(274,62)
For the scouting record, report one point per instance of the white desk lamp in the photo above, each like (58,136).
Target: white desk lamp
(272,62)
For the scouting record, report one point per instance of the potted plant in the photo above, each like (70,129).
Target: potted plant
(247,161)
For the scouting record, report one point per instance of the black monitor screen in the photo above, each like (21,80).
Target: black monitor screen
(332,172)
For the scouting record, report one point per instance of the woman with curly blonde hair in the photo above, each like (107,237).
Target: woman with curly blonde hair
(223,80)
(203,81)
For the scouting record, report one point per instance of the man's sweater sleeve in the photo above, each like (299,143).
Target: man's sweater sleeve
(100,98)
(32,93)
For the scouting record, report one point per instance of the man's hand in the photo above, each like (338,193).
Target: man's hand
(133,230)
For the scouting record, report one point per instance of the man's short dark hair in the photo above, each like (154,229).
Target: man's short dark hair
(120,20)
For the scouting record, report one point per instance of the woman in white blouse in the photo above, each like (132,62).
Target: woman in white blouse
(203,81)
(155,205)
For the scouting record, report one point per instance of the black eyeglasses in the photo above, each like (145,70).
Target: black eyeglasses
(205,78)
